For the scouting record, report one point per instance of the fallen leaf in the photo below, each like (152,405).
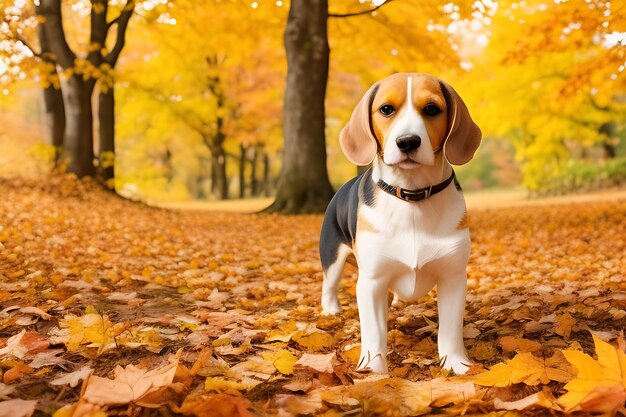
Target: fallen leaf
(319,363)
(80,409)
(566,322)
(283,360)
(315,341)
(25,343)
(298,404)
(445,391)
(215,405)
(600,385)
(130,384)
(17,408)
(539,399)
(519,345)
(524,367)
(73,378)
(221,385)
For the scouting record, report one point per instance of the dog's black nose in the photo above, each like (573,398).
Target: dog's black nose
(407,143)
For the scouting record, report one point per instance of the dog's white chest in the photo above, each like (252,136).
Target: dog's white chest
(413,234)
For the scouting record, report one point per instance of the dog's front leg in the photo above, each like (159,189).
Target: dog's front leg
(451,291)
(371,296)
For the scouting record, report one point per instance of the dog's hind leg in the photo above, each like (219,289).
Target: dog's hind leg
(332,276)
(333,254)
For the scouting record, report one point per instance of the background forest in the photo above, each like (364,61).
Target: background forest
(184,99)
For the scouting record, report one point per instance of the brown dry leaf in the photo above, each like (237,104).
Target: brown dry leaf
(319,363)
(446,391)
(16,372)
(25,343)
(483,351)
(566,322)
(538,399)
(130,384)
(298,404)
(17,408)
(519,345)
(215,405)
(80,409)
(73,378)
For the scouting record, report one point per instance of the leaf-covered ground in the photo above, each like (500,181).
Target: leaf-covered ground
(113,308)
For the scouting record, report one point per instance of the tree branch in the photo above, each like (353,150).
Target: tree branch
(54,33)
(122,25)
(362,12)
(114,21)
(24,42)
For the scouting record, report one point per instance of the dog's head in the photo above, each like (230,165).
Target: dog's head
(407,119)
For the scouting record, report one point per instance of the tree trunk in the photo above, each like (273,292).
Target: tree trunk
(266,174)
(303,186)
(106,129)
(218,168)
(54,118)
(608,130)
(254,183)
(242,170)
(78,145)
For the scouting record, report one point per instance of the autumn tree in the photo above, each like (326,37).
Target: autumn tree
(80,77)
(221,103)
(550,80)
(303,185)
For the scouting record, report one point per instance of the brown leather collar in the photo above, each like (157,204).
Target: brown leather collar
(420,193)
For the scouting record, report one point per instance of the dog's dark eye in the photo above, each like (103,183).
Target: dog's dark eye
(431,110)
(386,109)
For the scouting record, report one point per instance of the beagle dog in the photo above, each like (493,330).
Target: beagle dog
(404,219)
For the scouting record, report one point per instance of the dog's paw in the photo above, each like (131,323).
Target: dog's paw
(330,306)
(376,363)
(459,364)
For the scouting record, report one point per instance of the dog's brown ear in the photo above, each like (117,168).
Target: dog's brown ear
(357,138)
(463,135)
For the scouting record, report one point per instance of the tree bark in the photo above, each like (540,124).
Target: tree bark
(78,141)
(78,145)
(608,130)
(254,183)
(106,130)
(242,170)
(303,186)
(266,175)
(52,99)
(54,118)
(219,186)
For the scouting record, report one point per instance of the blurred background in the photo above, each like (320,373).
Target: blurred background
(182,100)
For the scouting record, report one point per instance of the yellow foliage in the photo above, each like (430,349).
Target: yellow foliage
(600,385)
(523,368)
(315,341)
(283,361)
(222,385)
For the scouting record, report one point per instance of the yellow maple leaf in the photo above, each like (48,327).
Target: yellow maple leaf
(600,385)
(525,368)
(92,329)
(316,341)
(282,360)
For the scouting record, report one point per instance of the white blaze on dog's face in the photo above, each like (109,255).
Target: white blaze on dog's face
(409,120)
